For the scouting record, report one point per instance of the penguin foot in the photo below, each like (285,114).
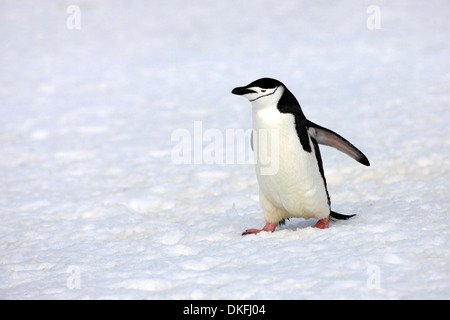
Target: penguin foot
(268,227)
(322,223)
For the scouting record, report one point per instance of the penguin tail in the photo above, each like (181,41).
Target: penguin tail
(339,216)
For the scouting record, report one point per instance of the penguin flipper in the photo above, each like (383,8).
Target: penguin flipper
(332,139)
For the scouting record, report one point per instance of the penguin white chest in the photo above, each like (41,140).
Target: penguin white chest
(289,177)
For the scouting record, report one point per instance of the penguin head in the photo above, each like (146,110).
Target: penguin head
(265,90)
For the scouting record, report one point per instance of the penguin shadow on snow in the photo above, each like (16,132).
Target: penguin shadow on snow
(299,224)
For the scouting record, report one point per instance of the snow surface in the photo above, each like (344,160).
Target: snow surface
(93,206)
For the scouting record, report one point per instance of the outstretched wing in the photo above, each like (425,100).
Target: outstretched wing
(329,138)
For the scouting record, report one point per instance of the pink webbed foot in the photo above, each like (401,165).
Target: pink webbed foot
(268,227)
(322,223)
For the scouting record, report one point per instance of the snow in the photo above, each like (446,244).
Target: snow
(93,206)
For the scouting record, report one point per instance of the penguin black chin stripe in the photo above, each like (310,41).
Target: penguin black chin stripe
(299,188)
(265,95)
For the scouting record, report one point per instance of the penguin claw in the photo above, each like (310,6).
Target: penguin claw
(251,231)
(268,227)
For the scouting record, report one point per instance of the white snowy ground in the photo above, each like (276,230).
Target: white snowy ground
(92,205)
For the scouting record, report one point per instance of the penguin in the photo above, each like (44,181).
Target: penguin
(282,133)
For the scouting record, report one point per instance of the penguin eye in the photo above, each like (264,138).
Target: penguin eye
(262,90)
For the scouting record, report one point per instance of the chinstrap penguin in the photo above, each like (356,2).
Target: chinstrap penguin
(281,133)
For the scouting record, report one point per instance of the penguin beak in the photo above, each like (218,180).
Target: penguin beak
(241,91)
